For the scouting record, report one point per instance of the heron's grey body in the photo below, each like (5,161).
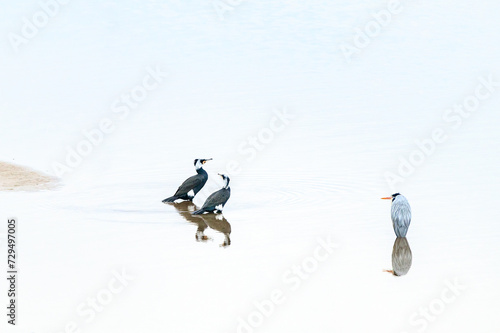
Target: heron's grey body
(216,201)
(401,215)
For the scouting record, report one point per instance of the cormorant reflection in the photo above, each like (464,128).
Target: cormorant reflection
(185,208)
(219,223)
(215,221)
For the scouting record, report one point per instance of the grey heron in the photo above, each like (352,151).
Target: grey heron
(400,214)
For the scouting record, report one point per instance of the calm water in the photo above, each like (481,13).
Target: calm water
(300,182)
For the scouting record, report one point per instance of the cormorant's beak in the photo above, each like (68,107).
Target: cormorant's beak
(205,161)
(222,176)
(386,198)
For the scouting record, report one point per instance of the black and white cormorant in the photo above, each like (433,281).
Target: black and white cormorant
(193,184)
(216,201)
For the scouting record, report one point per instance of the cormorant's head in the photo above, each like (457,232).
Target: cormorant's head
(392,197)
(226,180)
(198,163)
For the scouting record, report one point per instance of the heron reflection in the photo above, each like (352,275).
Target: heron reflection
(401,257)
(216,222)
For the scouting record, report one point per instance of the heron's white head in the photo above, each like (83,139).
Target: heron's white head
(198,163)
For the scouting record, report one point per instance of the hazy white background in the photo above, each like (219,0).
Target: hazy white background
(321,176)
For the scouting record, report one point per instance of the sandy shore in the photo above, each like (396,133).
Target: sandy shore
(17,178)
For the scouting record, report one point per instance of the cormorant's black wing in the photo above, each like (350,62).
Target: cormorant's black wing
(189,184)
(217,198)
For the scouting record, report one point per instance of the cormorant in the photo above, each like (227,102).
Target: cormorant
(216,201)
(193,184)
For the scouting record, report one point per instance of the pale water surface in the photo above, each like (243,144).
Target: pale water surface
(318,179)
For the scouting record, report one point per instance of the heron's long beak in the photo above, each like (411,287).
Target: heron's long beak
(386,198)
